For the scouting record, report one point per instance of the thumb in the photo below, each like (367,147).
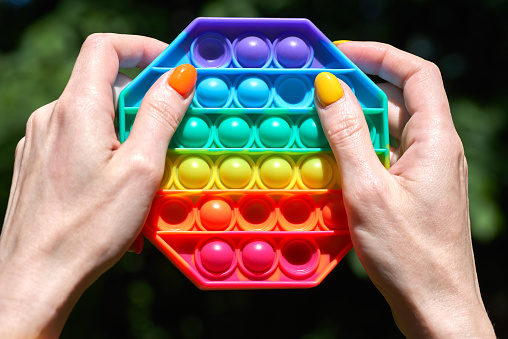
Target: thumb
(345,126)
(161,111)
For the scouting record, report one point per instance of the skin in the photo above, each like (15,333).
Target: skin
(410,225)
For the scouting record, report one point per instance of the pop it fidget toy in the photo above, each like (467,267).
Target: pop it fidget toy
(251,191)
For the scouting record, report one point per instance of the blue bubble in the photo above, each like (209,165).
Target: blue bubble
(212,92)
(253,92)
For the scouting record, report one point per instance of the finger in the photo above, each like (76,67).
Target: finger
(18,158)
(96,67)
(398,116)
(160,113)
(345,126)
(419,79)
(120,83)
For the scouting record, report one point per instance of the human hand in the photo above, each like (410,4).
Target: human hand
(79,198)
(409,224)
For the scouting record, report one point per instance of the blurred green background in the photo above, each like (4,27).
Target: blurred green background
(144,296)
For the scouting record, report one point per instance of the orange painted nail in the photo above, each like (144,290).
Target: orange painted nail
(183,79)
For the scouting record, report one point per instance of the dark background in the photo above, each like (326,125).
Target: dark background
(144,296)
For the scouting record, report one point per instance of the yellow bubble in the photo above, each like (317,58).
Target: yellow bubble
(194,172)
(316,172)
(276,172)
(235,172)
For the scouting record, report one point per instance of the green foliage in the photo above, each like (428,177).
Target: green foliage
(480,128)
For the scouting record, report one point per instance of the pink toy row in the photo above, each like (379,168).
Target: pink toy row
(254,259)
(247,211)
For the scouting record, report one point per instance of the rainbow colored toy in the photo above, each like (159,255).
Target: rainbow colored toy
(251,193)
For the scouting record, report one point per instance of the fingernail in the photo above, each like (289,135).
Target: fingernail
(183,79)
(328,88)
(338,42)
(137,245)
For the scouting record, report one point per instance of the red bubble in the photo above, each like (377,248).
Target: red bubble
(256,211)
(297,211)
(174,212)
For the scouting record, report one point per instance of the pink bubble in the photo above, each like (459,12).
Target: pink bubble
(217,256)
(258,256)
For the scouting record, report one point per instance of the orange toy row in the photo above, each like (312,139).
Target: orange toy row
(252,170)
(247,211)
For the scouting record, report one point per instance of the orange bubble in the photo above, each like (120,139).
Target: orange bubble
(215,215)
(334,214)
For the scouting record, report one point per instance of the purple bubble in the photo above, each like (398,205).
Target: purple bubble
(252,52)
(211,50)
(292,52)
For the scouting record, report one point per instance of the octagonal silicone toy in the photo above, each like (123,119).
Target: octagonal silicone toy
(251,192)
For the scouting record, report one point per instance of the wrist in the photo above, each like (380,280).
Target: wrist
(36,296)
(455,315)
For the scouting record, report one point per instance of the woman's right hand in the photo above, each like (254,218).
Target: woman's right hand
(409,224)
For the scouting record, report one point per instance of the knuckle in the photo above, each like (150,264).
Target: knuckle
(368,191)
(34,120)
(19,147)
(96,40)
(429,70)
(349,128)
(146,169)
(161,112)
(432,69)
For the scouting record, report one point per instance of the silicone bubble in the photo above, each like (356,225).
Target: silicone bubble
(193,132)
(194,172)
(333,214)
(293,91)
(234,132)
(316,172)
(256,213)
(211,50)
(252,52)
(276,172)
(213,92)
(215,215)
(296,211)
(274,132)
(217,256)
(311,134)
(293,52)
(258,256)
(235,172)
(299,258)
(253,92)
(176,215)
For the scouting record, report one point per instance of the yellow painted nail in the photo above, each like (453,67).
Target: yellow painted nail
(328,88)
(338,42)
